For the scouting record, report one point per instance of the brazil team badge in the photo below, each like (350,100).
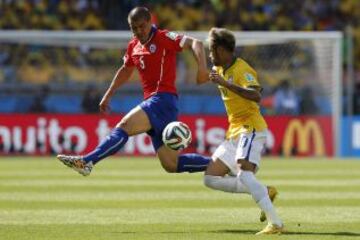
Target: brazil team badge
(249,77)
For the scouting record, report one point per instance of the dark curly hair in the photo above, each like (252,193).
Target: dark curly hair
(222,37)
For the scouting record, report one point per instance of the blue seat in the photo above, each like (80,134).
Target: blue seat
(123,104)
(8,103)
(214,105)
(190,104)
(23,103)
(323,104)
(203,104)
(63,103)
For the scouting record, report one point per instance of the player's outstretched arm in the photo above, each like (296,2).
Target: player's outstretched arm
(198,50)
(121,76)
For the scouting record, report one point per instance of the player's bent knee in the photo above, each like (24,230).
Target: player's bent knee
(169,165)
(168,159)
(123,124)
(169,168)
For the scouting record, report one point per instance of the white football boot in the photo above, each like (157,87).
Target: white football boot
(76,163)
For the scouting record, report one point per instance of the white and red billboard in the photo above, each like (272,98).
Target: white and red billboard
(80,133)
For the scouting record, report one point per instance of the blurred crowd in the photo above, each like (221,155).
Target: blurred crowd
(35,64)
(51,15)
(182,14)
(250,15)
(40,64)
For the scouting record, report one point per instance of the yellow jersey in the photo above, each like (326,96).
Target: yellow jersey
(243,115)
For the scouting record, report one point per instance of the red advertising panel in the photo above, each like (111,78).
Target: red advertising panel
(300,136)
(78,134)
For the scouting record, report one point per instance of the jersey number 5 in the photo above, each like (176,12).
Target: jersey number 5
(142,63)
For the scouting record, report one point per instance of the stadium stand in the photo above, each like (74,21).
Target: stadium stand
(37,65)
(123,104)
(68,103)
(8,103)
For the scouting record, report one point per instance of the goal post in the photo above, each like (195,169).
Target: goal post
(307,59)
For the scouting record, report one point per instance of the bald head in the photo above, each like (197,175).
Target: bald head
(139,13)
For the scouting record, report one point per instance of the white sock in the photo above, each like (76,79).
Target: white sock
(260,195)
(266,205)
(226,184)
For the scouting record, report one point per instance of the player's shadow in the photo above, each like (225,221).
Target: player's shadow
(239,231)
(247,231)
(344,234)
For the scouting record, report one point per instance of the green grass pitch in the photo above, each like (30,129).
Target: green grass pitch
(134,198)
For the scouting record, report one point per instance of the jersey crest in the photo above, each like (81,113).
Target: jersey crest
(249,77)
(152,48)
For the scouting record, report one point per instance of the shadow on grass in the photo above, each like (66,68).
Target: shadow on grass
(245,231)
(344,234)
(252,232)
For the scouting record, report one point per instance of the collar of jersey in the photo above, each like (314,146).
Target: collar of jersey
(152,34)
(231,65)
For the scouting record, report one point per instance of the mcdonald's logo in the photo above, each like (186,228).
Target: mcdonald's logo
(303,132)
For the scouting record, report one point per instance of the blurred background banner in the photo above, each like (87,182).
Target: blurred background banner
(351,136)
(300,73)
(58,57)
(79,133)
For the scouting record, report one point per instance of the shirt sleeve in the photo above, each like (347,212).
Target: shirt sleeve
(127,57)
(172,41)
(250,78)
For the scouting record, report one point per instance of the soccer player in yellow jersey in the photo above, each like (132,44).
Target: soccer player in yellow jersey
(237,159)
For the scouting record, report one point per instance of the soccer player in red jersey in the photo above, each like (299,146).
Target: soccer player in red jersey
(153,53)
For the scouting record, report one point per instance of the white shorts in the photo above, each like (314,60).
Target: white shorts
(247,146)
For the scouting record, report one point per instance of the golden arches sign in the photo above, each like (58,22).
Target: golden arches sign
(303,131)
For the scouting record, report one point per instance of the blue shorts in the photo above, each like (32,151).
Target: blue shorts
(161,109)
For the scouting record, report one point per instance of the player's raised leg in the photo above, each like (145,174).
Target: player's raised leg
(161,109)
(135,122)
(173,162)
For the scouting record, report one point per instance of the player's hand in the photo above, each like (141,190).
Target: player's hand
(104,105)
(216,78)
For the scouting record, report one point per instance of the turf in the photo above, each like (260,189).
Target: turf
(133,198)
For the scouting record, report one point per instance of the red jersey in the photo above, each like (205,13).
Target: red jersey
(155,60)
